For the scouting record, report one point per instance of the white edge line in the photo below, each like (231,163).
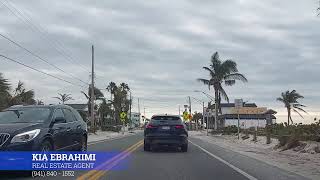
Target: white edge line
(225,162)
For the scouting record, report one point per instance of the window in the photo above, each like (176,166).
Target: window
(24,115)
(69,115)
(166,118)
(58,113)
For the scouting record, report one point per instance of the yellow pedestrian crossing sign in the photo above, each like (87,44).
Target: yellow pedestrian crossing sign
(123,116)
(185,115)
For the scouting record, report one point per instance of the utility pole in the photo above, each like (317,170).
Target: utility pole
(139,110)
(144,112)
(190,111)
(93,128)
(179,111)
(202,114)
(130,121)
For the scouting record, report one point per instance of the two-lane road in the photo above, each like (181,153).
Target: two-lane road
(200,162)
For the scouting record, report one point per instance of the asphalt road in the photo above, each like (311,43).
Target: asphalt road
(202,161)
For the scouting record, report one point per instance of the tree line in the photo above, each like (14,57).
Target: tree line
(108,109)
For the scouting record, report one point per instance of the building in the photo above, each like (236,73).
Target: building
(135,119)
(248,114)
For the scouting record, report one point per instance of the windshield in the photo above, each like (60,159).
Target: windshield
(26,115)
(165,118)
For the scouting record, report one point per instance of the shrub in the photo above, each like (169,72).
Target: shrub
(111,128)
(230,130)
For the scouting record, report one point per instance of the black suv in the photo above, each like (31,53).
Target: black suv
(42,128)
(166,130)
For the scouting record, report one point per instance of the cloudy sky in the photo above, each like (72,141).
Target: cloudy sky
(159,47)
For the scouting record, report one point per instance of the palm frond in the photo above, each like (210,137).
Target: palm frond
(236,76)
(85,95)
(298,113)
(229,82)
(298,105)
(57,98)
(280,99)
(204,81)
(229,66)
(212,73)
(300,109)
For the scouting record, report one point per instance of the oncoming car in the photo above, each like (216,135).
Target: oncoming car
(166,130)
(42,128)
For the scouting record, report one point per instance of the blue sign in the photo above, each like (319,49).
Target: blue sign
(62,160)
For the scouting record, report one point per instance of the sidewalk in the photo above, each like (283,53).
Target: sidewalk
(105,135)
(305,164)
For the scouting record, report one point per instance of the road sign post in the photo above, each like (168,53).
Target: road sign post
(123,116)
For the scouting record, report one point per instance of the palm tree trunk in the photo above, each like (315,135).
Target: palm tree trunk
(289,114)
(216,109)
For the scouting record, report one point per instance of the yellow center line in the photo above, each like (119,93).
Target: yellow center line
(93,172)
(99,174)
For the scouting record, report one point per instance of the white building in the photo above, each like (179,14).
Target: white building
(135,119)
(249,114)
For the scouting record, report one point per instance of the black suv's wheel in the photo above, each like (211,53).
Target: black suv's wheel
(146,147)
(184,148)
(46,146)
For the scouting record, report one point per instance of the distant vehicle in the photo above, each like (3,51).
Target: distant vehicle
(42,128)
(167,130)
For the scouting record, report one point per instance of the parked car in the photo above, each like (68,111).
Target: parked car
(42,128)
(167,130)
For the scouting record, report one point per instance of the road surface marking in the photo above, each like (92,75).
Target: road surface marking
(93,172)
(99,174)
(225,162)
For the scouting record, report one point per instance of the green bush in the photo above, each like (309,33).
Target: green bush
(111,128)
(230,130)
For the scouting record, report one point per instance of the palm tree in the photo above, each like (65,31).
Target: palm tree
(22,96)
(97,94)
(4,92)
(290,101)
(225,72)
(111,88)
(64,97)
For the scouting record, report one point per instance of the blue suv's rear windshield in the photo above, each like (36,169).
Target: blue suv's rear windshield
(165,118)
(24,115)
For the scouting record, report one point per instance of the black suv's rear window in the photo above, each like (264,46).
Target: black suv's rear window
(165,118)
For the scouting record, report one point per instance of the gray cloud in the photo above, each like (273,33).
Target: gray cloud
(159,47)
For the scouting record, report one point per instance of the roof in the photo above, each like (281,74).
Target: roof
(270,111)
(233,105)
(245,116)
(79,107)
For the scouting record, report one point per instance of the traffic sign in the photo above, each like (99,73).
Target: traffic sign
(123,116)
(185,115)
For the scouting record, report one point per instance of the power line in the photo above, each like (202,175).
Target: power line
(37,56)
(18,62)
(27,20)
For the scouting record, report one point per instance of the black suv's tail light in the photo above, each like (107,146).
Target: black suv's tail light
(149,126)
(179,127)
